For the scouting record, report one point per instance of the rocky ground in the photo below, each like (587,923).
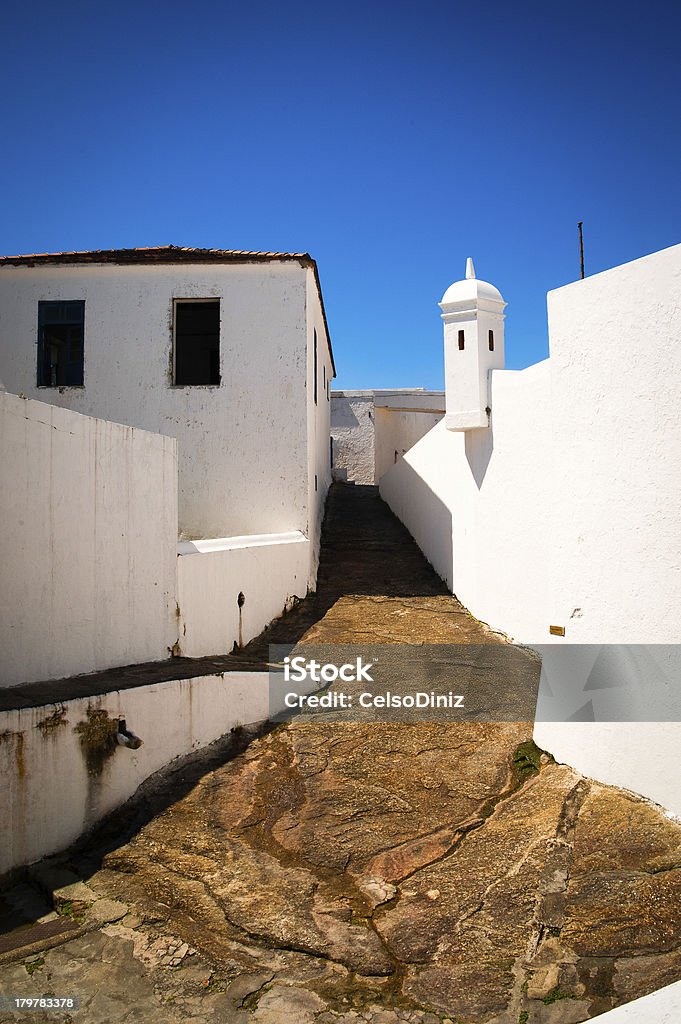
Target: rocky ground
(343,871)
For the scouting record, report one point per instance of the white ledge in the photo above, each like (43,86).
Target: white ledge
(255,540)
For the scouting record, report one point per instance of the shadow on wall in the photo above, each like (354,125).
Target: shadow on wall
(343,415)
(479,445)
(425,515)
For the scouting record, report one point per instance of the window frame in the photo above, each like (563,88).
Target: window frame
(215,300)
(44,322)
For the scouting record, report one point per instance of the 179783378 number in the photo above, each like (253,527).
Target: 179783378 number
(45,1003)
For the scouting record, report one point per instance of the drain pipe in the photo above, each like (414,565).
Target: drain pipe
(125,737)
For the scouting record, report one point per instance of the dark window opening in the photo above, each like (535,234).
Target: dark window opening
(315,481)
(197,342)
(491,341)
(462,340)
(61,334)
(328,390)
(314,369)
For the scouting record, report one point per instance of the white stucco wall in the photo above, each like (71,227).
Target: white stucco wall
(318,423)
(371,430)
(48,798)
(398,430)
(458,495)
(566,511)
(578,475)
(243,460)
(616,432)
(352,431)
(269,570)
(87,546)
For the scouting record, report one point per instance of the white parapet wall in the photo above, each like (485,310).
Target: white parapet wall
(230,588)
(56,786)
(87,547)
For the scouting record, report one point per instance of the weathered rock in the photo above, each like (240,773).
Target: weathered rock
(349,872)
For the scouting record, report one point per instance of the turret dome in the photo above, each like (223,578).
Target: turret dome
(471,289)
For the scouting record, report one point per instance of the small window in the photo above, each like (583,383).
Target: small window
(328,390)
(197,341)
(462,340)
(314,369)
(61,334)
(491,341)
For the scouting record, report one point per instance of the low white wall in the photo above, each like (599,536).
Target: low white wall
(269,570)
(398,430)
(87,546)
(459,495)
(49,798)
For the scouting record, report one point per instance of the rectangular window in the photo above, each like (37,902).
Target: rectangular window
(462,341)
(491,341)
(196,341)
(61,335)
(314,369)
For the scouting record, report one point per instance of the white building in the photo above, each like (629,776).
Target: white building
(548,500)
(371,430)
(228,353)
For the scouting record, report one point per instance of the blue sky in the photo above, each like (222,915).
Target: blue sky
(389,140)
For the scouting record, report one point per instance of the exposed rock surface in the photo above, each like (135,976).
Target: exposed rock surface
(378,872)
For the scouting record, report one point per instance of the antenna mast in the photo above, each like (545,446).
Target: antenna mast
(581,250)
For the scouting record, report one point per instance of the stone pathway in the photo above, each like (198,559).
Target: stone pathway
(367,872)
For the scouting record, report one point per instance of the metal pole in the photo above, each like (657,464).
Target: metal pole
(581,250)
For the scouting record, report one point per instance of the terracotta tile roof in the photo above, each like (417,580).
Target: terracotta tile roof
(155,254)
(167,254)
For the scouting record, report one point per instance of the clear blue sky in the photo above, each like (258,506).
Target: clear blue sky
(389,140)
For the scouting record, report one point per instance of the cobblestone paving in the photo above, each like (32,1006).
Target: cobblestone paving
(368,872)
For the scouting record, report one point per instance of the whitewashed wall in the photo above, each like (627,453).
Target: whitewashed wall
(268,570)
(87,545)
(616,435)
(579,474)
(371,430)
(318,423)
(49,798)
(566,512)
(352,430)
(242,445)
(397,431)
(460,496)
